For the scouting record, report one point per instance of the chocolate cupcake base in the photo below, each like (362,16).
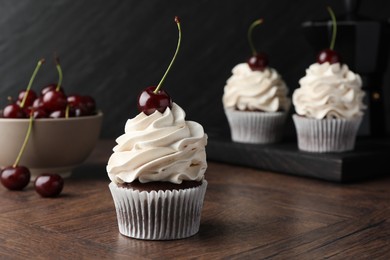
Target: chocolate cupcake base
(158,214)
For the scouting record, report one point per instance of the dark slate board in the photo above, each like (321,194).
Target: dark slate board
(370,158)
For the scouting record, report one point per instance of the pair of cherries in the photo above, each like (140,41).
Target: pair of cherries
(18,177)
(259,61)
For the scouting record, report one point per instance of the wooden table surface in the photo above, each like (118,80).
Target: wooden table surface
(247,214)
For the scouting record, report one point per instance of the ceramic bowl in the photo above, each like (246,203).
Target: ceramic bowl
(54,145)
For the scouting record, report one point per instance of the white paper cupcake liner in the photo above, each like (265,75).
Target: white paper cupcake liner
(158,215)
(256,127)
(326,135)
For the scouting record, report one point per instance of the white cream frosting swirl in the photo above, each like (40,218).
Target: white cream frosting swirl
(255,90)
(329,91)
(159,147)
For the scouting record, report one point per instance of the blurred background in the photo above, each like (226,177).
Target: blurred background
(112,50)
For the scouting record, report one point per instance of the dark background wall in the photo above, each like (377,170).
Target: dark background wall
(113,49)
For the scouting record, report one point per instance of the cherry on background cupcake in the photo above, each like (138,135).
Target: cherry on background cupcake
(258,60)
(330,55)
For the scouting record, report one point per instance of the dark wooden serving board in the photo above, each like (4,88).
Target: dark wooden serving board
(370,158)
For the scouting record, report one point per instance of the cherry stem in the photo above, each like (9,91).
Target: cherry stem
(30,124)
(58,66)
(40,62)
(67,111)
(177,21)
(334,26)
(250,30)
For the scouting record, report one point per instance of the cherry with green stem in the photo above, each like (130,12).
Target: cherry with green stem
(154,98)
(330,55)
(55,99)
(259,60)
(17,177)
(25,99)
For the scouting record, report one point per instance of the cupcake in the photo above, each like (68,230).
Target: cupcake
(328,105)
(157,170)
(255,100)
(328,108)
(157,176)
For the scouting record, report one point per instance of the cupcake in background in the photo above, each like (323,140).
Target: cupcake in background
(157,169)
(255,99)
(329,104)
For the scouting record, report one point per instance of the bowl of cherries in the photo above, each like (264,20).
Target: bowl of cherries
(47,131)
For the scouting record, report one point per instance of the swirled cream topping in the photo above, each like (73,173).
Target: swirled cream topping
(255,90)
(329,91)
(159,147)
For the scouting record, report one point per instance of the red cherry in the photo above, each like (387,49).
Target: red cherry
(50,87)
(77,106)
(75,100)
(31,96)
(328,55)
(38,103)
(13,111)
(49,185)
(54,100)
(154,98)
(57,114)
(258,62)
(15,177)
(37,112)
(148,101)
(90,103)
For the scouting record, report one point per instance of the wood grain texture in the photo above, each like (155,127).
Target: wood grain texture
(247,214)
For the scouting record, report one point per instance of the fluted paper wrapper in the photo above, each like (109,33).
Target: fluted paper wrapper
(326,135)
(256,127)
(158,215)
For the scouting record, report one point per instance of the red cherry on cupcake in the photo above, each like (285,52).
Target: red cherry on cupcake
(149,101)
(329,55)
(153,98)
(49,185)
(17,177)
(258,61)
